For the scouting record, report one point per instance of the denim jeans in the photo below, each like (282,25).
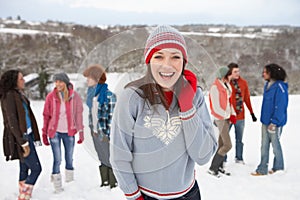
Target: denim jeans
(68,142)
(239,132)
(274,139)
(31,163)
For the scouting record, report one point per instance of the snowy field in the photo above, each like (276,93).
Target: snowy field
(240,185)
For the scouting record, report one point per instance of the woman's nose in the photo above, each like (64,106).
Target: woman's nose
(167,62)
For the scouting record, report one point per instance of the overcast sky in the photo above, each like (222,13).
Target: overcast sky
(152,12)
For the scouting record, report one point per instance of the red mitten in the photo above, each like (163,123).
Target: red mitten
(140,198)
(81,137)
(45,140)
(188,90)
(232,119)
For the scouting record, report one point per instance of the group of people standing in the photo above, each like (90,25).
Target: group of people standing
(148,141)
(62,119)
(227,97)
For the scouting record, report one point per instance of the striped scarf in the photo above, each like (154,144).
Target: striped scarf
(238,97)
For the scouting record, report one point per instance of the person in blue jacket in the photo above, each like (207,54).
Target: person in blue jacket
(273,117)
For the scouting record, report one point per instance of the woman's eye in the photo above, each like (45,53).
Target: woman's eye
(176,57)
(158,57)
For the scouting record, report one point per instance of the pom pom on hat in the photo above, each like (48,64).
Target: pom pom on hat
(61,77)
(96,72)
(222,72)
(164,37)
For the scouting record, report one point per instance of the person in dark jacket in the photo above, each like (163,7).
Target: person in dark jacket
(21,133)
(273,118)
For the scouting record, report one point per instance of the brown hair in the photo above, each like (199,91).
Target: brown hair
(150,90)
(231,66)
(96,72)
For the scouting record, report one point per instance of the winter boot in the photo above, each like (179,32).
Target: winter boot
(215,164)
(111,178)
(25,192)
(56,179)
(104,175)
(222,169)
(69,175)
(21,183)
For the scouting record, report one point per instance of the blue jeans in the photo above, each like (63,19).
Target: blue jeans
(32,163)
(239,132)
(68,142)
(274,139)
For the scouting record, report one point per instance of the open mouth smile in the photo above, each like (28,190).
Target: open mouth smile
(166,74)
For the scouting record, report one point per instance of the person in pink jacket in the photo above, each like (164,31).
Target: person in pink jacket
(62,120)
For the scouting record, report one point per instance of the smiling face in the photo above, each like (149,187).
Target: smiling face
(60,85)
(166,67)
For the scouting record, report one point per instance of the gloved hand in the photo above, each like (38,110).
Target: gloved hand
(253,117)
(232,119)
(45,140)
(272,128)
(188,90)
(140,198)
(26,150)
(81,137)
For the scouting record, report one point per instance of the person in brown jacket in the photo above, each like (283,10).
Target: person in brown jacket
(240,96)
(20,131)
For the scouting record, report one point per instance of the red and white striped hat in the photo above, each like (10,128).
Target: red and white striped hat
(164,37)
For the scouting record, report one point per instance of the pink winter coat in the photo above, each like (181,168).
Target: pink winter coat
(74,109)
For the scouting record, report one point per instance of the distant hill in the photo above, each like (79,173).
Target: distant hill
(56,46)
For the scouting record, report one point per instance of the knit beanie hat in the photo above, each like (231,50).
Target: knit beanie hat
(164,37)
(62,77)
(96,72)
(222,71)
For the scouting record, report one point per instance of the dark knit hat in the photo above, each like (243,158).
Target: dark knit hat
(96,72)
(62,77)
(164,37)
(222,72)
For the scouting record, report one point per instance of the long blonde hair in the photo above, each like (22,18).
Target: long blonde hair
(65,92)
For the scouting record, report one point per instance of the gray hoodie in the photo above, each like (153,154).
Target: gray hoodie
(154,151)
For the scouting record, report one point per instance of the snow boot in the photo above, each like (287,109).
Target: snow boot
(21,183)
(57,182)
(104,175)
(216,163)
(69,175)
(222,169)
(25,192)
(112,179)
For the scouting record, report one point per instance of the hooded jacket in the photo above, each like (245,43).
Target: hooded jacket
(74,109)
(274,105)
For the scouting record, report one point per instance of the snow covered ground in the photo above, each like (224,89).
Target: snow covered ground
(240,185)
